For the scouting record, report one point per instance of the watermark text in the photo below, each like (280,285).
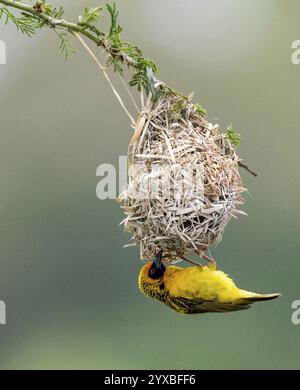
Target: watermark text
(296,53)
(2,53)
(157,180)
(2,313)
(296,313)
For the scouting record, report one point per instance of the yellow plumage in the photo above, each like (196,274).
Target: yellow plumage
(195,289)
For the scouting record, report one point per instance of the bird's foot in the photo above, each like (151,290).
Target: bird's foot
(191,261)
(211,262)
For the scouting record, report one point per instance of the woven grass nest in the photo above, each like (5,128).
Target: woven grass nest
(171,136)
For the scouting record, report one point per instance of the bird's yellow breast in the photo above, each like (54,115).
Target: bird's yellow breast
(200,282)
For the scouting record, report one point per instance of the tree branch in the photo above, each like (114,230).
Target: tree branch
(103,70)
(118,51)
(52,22)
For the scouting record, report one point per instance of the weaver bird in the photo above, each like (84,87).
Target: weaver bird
(197,289)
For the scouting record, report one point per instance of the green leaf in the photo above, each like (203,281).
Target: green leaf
(90,15)
(66,46)
(115,28)
(200,110)
(233,136)
(26,24)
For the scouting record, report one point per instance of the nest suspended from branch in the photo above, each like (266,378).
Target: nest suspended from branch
(173,144)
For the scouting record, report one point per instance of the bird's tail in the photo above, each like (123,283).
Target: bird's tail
(253,297)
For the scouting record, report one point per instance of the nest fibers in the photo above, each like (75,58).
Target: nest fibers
(184,184)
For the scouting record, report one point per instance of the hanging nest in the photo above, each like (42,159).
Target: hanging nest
(171,138)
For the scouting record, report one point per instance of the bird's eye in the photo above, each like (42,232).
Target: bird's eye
(152,272)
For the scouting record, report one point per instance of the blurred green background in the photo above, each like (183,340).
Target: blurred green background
(70,288)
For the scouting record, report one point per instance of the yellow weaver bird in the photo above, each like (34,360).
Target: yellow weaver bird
(197,289)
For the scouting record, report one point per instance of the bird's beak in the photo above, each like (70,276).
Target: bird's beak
(158,260)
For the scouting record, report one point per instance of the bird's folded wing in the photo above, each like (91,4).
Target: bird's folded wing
(192,306)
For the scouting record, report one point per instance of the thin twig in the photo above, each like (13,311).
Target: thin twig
(129,92)
(142,99)
(103,69)
(247,169)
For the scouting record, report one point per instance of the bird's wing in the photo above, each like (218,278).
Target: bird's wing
(193,306)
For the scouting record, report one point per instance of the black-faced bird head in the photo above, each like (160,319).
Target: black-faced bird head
(157,268)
